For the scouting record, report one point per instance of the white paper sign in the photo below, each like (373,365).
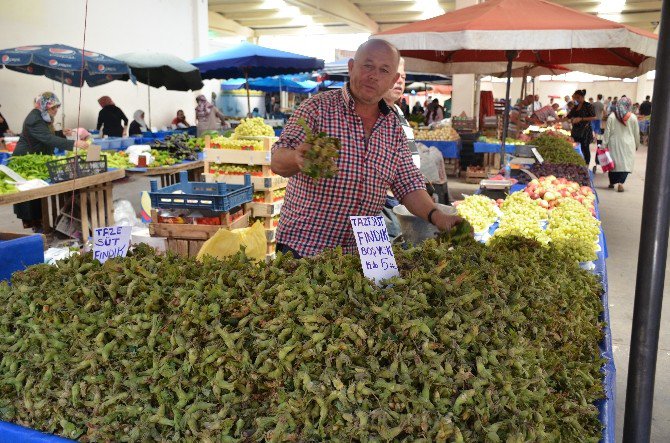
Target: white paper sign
(537,155)
(111,242)
(374,247)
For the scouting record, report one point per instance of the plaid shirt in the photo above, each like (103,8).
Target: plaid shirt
(315,214)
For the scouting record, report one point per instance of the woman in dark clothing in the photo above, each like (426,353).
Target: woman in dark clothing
(110,118)
(38,137)
(4,126)
(137,126)
(581,116)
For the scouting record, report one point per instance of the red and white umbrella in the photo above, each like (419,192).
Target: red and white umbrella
(476,40)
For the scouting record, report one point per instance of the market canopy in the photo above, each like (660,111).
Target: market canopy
(251,60)
(476,40)
(65,64)
(273,84)
(158,69)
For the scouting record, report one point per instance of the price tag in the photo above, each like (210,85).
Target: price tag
(111,242)
(374,248)
(93,153)
(537,155)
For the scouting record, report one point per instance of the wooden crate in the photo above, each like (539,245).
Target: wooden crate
(268,222)
(264,209)
(452,167)
(237,157)
(261,183)
(474,176)
(492,161)
(186,240)
(268,141)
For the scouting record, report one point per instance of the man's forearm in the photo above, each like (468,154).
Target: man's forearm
(419,203)
(284,163)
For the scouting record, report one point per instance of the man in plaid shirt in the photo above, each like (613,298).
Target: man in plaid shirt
(374,158)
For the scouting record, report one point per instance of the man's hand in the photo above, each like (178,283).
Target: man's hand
(81,144)
(288,162)
(67,132)
(444,221)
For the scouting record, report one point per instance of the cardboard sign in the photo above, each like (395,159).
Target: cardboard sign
(93,153)
(374,248)
(537,155)
(111,242)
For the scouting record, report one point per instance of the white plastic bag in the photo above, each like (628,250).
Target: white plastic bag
(124,214)
(135,151)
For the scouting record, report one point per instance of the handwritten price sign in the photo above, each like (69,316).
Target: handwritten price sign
(374,248)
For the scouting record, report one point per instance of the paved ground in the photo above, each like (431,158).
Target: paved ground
(621,214)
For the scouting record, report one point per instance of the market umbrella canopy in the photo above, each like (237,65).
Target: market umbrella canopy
(251,60)
(536,70)
(65,64)
(158,69)
(475,40)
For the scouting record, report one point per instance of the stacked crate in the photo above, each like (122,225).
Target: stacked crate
(264,181)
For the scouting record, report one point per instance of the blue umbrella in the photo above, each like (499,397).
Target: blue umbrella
(274,84)
(252,60)
(65,64)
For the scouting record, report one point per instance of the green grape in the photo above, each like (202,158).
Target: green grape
(320,158)
(479,210)
(253,127)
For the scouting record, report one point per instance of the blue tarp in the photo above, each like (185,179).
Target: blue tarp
(492,148)
(254,61)
(449,149)
(273,84)
(63,63)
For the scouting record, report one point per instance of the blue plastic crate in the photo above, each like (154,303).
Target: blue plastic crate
(17,252)
(197,195)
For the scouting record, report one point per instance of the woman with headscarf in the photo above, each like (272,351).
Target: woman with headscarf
(581,116)
(622,138)
(110,118)
(38,137)
(435,114)
(208,116)
(138,125)
(180,120)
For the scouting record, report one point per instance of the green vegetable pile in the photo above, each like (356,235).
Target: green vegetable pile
(31,166)
(6,188)
(557,150)
(473,343)
(321,157)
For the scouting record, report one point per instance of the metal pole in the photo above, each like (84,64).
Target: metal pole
(652,255)
(511,55)
(149,95)
(62,100)
(246,78)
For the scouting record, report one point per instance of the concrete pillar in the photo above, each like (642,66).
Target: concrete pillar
(200,28)
(463,95)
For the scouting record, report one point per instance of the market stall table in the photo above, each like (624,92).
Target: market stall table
(169,175)
(94,192)
(449,149)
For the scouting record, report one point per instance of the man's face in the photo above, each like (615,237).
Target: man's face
(373,73)
(394,94)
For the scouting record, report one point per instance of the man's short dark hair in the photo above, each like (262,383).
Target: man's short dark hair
(600,96)
(647,98)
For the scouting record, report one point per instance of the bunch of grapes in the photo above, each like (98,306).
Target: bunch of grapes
(479,210)
(573,229)
(320,158)
(522,205)
(253,127)
(522,217)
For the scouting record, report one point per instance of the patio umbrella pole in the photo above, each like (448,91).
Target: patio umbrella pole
(511,55)
(149,95)
(652,255)
(62,100)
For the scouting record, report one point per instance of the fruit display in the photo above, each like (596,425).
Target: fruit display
(471,343)
(573,229)
(554,131)
(236,144)
(522,217)
(320,159)
(253,127)
(508,141)
(277,195)
(231,169)
(557,150)
(31,166)
(480,211)
(162,158)
(550,192)
(441,133)
(573,173)
(179,146)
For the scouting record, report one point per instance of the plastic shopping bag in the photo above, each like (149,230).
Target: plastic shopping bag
(226,243)
(605,159)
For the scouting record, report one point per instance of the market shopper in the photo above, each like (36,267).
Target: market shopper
(138,125)
(417,109)
(622,138)
(645,107)
(208,116)
(373,158)
(581,116)
(180,121)
(4,127)
(543,114)
(598,108)
(38,137)
(110,118)
(434,113)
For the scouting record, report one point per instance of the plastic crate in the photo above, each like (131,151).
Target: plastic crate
(75,167)
(197,195)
